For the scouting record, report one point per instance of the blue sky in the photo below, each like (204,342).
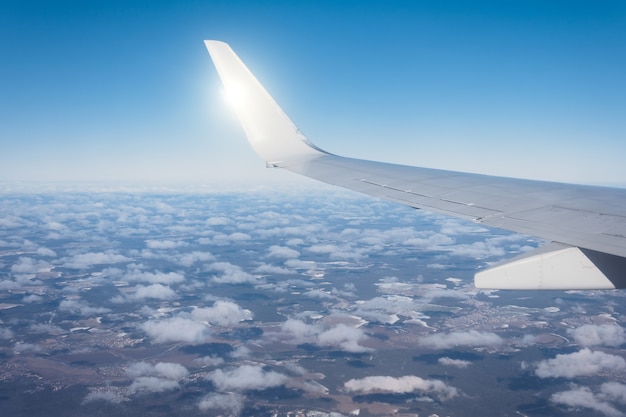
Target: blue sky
(125,90)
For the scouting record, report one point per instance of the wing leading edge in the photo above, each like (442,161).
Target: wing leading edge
(586,224)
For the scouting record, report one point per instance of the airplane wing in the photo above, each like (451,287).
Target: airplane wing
(586,225)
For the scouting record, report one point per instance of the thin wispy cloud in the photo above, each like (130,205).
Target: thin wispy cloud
(471,338)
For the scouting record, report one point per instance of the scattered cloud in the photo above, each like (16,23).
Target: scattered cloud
(230,403)
(478,250)
(246,377)
(46,328)
(164,376)
(177,329)
(240,352)
(273,270)
(41,251)
(32,298)
(402,385)
(386,308)
(107,396)
(459,363)
(285,241)
(341,252)
(21,347)
(81,308)
(471,338)
(581,363)
(156,277)
(239,237)
(211,360)
(153,384)
(217,221)
(430,242)
(232,274)
(165,244)
(222,313)
(167,370)
(346,338)
(340,336)
(282,252)
(594,335)
(614,391)
(87,260)
(26,265)
(188,259)
(608,400)
(154,291)
(6,333)
(300,330)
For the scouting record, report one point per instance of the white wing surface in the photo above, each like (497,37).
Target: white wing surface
(586,224)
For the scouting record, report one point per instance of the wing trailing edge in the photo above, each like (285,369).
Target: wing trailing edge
(589,222)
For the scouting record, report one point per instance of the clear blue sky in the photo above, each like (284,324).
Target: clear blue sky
(125,90)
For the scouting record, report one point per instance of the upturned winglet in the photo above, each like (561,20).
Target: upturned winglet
(269,130)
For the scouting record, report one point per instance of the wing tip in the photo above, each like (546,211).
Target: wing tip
(270,132)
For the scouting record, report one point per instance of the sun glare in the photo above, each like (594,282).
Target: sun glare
(234,95)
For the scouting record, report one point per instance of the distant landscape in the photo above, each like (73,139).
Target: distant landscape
(275,304)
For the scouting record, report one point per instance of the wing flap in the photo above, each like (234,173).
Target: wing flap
(556,267)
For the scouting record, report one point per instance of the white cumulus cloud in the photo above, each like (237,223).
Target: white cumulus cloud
(582,397)
(188,259)
(604,334)
(86,260)
(82,308)
(156,277)
(340,336)
(26,265)
(163,376)
(167,370)
(6,333)
(345,337)
(459,363)
(222,313)
(165,244)
(583,362)
(232,274)
(403,384)
(177,329)
(231,403)
(154,291)
(282,252)
(153,384)
(246,377)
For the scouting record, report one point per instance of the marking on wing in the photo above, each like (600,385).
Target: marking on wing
(395,189)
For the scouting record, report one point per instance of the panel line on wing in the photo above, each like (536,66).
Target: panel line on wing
(395,189)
